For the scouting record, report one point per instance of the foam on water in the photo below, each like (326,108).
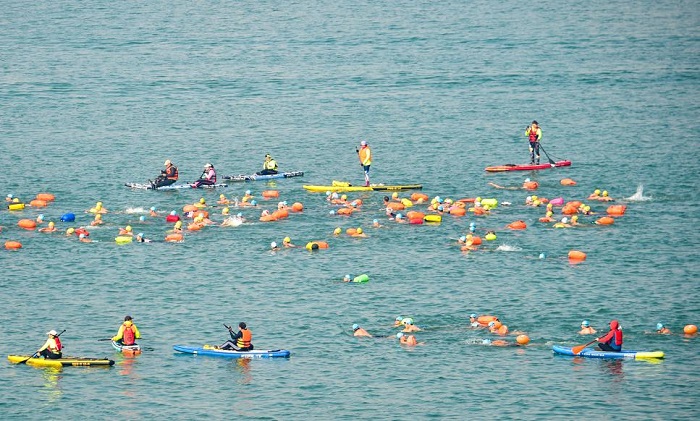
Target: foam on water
(638,196)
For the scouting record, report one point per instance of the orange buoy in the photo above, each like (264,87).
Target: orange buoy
(321,244)
(569,210)
(281,213)
(419,197)
(531,185)
(189,208)
(606,220)
(467,200)
(14,245)
(522,339)
(202,213)
(174,237)
(502,330)
(46,197)
(457,211)
(344,211)
(28,224)
(36,203)
(616,210)
(567,182)
(414,214)
(395,206)
(297,207)
(268,218)
(517,225)
(270,193)
(476,241)
(484,320)
(687,329)
(576,255)
(194,227)
(351,231)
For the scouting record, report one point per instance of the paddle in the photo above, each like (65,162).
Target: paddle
(577,349)
(34,354)
(358,156)
(551,161)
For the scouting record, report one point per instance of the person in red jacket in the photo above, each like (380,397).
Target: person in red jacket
(612,341)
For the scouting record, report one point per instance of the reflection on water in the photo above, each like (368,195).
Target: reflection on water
(52,375)
(243,367)
(614,367)
(126,366)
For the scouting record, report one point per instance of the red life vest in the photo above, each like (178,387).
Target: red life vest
(59,347)
(172,173)
(128,337)
(245,339)
(533,135)
(82,231)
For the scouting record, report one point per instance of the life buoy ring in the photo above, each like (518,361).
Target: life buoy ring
(12,245)
(174,238)
(576,255)
(36,203)
(28,224)
(517,225)
(270,193)
(47,197)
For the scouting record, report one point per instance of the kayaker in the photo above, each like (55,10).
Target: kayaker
(358,331)
(365,159)
(128,332)
(52,347)
(612,341)
(269,166)
(534,134)
(241,340)
(586,328)
(167,176)
(208,177)
(660,328)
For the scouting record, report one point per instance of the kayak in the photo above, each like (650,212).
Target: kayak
(211,351)
(61,362)
(371,187)
(527,167)
(134,349)
(146,186)
(593,353)
(258,177)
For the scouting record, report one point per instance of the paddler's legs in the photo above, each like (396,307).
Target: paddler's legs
(366,168)
(228,345)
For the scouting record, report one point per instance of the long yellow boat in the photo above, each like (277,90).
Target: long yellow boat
(338,186)
(61,362)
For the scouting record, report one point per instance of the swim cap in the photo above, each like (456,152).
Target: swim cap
(178,224)
(337,231)
(173,213)
(492,323)
(407,321)
(574,218)
(70,231)
(240,215)
(542,255)
(395,195)
(98,204)
(247,192)
(41,216)
(399,216)
(9,196)
(167,162)
(549,213)
(596,191)
(564,220)
(83,236)
(375,221)
(527,180)
(287,240)
(273,245)
(605,193)
(51,224)
(486,342)
(128,228)
(440,208)
(399,318)
(201,200)
(142,218)
(335,195)
(225,211)
(328,193)
(331,212)
(399,335)
(585,323)
(472,224)
(140,235)
(359,231)
(472,316)
(438,199)
(659,326)
(265,212)
(462,238)
(153,208)
(207,165)
(253,203)
(344,197)
(355,327)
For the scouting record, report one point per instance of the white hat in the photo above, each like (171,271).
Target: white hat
(363,143)
(52,333)
(207,165)
(167,162)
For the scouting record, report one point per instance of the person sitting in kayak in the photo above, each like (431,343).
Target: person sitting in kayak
(52,347)
(358,331)
(534,134)
(269,166)
(167,176)
(128,333)
(586,329)
(660,328)
(241,340)
(208,177)
(612,341)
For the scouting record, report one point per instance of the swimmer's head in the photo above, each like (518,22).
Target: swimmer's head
(70,231)
(605,193)
(287,240)
(337,231)
(335,195)
(202,201)
(359,231)
(399,216)
(564,220)
(331,212)
(347,277)
(585,323)
(225,211)
(173,213)
(399,335)
(51,224)
(81,236)
(221,196)
(153,208)
(659,326)
(253,203)
(463,238)
(492,324)
(486,342)
(142,218)
(596,191)
(273,245)
(394,195)
(355,327)
(472,316)
(247,192)
(178,224)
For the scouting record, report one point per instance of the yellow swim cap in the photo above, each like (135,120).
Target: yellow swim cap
(225,211)
(550,213)
(128,228)
(605,193)
(287,240)
(359,231)
(344,197)
(574,218)
(70,231)
(337,231)
(98,217)
(202,200)
(395,195)
(245,198)
(596,191)
(221,196)
(51,224)
(178,224)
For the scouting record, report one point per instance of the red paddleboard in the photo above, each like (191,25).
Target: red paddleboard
(527,167)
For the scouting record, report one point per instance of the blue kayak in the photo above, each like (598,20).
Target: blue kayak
(594,353)
(213,352)
(146,186)
(258,177)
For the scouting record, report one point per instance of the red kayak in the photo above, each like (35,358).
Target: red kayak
(527,167)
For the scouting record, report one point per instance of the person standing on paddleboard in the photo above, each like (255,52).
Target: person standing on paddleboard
(534,134)
(365,155)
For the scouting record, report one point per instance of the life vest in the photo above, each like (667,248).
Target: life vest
(58,348)
(533,135)
(270,165)
(128,337)
(82,231)
(171,173)
(244,340)
(366,156)
(213,178)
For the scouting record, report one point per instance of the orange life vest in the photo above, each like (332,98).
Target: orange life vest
(245,339)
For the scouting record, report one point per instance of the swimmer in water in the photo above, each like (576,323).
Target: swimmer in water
(287,242)
(662,329)
(408,325)
(358,331)
(586,328)
(409,340)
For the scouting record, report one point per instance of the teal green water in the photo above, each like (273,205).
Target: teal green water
(93,97)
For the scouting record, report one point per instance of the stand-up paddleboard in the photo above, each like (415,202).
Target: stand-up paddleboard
(144,186)
(258,177)
(61,362)
(134,349)
(211,351)
(341,187)
(593,353)
(527,167)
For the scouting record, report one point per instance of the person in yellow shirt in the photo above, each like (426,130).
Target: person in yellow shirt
(269,166)
(128,332)
(534,134)
(52,347)
(365,155)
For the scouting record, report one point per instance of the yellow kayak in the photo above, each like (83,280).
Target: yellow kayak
(61,362)
(371,187)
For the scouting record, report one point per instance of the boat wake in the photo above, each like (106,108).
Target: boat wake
(638,196)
